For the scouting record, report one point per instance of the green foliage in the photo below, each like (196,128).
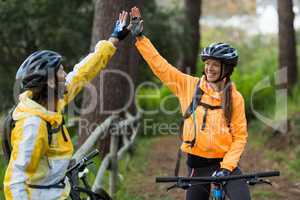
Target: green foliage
(2,173)
(30,25)
(161,110)
(294,165)
(162,27)
(284,156)
(3,166)
(148,98)
(134,171)
(294,100)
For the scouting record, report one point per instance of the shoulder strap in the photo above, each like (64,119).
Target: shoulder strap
(195,101)
(52,131)
(210,107)
(191,108)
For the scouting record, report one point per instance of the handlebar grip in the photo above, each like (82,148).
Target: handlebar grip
(91,155)
(166,179)
(268,174)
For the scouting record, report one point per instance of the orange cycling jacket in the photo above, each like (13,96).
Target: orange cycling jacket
(217,140)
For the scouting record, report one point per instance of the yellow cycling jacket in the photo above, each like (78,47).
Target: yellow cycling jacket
(32,160)
(215,141)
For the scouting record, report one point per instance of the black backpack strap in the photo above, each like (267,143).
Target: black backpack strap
(190,110)
(195,101)
(63,131)
(52,131)
(192,107)
(206,108)
(210,107)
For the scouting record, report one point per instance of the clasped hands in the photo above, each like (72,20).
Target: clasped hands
(135,26)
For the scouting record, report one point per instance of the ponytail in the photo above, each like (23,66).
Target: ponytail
(227,101)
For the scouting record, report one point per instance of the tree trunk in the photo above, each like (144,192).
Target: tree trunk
(287,44)
(114,84)
(192,35)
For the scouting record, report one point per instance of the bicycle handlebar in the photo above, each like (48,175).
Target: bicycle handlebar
(83,161)
(216,179)
(91,155)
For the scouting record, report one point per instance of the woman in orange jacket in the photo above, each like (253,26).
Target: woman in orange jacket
(215,128)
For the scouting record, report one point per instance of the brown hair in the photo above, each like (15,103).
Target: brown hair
(40,94)
(227,97)
(227,101)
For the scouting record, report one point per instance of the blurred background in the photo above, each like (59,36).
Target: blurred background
(265,32)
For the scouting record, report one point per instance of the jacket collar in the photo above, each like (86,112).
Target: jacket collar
(27,107)
(208,89)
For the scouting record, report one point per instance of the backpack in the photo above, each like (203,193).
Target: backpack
(8,126)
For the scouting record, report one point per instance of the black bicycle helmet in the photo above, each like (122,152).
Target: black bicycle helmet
(221,51)
(34,70)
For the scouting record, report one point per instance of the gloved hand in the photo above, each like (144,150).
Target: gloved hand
(221,173)
(120,30)
(136,23)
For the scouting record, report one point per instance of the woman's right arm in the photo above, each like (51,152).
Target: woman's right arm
(167,73)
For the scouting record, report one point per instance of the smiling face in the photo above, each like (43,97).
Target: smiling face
(212,69)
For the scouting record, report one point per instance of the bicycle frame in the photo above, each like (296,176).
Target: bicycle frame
(217,192)
(74,178)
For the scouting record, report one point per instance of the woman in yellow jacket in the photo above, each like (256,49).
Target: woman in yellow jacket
(215,132)
(39,160)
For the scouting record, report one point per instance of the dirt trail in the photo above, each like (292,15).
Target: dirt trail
(161,159)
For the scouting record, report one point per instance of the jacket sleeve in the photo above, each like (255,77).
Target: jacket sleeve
(239,135)
(29,145)
(86,70)
(169,75)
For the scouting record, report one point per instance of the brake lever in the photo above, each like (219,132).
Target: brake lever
(172,187)
(258,181)
(181,185)
(263,181)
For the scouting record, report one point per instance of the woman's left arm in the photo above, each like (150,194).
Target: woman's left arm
(239,134)
(92,64)
(86,70)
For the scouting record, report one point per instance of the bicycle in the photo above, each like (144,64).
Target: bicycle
(217,192)
(78,172)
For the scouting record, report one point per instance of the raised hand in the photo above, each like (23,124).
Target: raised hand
(136,22)
(120,30)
